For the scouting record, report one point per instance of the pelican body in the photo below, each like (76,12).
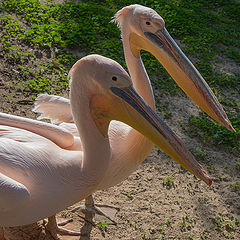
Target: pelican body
(40,176)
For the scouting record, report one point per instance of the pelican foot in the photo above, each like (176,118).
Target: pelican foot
(53,228)
(63,223)
(95,209)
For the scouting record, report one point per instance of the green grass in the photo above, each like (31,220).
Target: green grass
(236,186)
(209,31)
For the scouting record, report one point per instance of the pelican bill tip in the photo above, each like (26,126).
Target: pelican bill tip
(209,183)
(205,178)
(230,127)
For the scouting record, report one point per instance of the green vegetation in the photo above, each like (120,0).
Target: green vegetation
(187,222)
(225,225)
(210,132)
(236,186)
(38,41)
(102,224)
(169,221)
(169,182)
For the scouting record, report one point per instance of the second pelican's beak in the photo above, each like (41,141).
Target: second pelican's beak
(141,117)
(165,49)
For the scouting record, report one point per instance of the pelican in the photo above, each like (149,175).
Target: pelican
(39,176)
(141,28)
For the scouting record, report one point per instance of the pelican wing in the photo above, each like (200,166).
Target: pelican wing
(55,108)
(56,134)
(13,194)
(22,135)
(70,127)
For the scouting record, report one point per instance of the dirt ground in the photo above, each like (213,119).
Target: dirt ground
(159,200)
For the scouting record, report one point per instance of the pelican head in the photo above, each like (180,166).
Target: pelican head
(111,96)
(146,29)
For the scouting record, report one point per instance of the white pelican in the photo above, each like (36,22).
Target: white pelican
(141,28)
(38,178)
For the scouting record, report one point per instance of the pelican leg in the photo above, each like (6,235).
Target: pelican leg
(88,218)
(95,208)
(2,234)
(54,229)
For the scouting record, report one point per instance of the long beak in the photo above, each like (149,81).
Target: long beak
(165,49)
(146,121)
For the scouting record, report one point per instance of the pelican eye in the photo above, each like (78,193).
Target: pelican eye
(148,23)
(114,78)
